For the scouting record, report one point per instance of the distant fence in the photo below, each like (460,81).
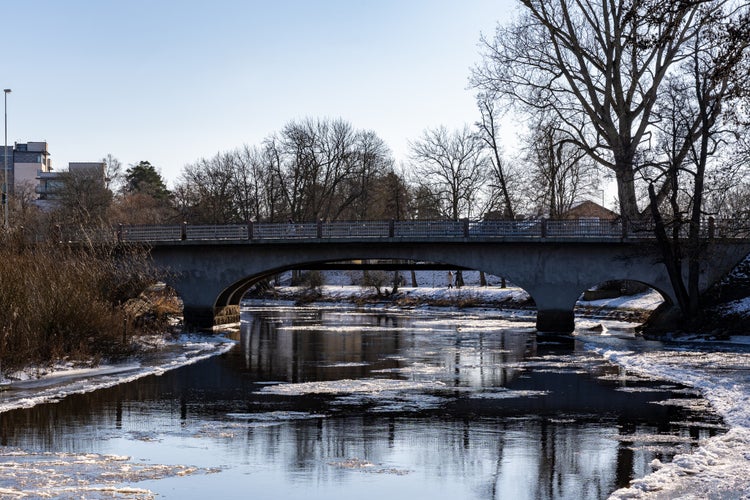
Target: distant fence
(580,229)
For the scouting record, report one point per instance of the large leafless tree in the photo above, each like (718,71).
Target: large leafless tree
(312,169)
(698,133)
(598,65)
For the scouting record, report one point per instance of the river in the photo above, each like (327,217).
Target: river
(334,402)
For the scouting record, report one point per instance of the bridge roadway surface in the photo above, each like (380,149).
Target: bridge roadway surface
(211,267)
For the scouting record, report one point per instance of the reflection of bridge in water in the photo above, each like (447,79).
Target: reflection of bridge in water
(211,267)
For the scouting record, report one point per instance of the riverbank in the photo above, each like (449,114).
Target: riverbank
(43,384)
(719,371)
(631,308)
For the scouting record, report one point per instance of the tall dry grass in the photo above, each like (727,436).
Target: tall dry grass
(63,301)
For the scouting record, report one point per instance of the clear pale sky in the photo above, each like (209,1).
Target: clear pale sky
(172,81)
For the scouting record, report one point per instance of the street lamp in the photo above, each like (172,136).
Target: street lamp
(5,170)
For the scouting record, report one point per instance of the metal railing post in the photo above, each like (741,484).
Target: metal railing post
(183,231)
(711,228)
(119,233)
(465,226)
(320,228)
(391,228)
(250,229)
(544,227)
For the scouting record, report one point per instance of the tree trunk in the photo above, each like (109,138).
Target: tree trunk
(414,279)
(671,256)
(459,279)
(626,191)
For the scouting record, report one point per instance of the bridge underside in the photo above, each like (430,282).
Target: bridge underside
(212,277)
(227,307)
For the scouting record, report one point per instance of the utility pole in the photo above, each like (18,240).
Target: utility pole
(5,153)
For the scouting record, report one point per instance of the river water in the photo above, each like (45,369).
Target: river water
(332,402)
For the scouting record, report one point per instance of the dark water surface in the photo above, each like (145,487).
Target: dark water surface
(329,403)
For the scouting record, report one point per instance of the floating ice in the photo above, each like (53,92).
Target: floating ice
(76,475)
(507,394)
(348,386)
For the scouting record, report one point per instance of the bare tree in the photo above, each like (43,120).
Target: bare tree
(143,208)
(598,65)
(696,130)
(113,174)
(313,169)
(453,167)
(373,160)
(83,197)
(499,174)
(210,189)
(561,173)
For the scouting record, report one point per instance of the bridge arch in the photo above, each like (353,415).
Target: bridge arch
(227,303)
(637,300)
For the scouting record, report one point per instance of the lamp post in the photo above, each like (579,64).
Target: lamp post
(5,170)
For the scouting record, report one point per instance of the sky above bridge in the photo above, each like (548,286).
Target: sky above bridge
(173,81)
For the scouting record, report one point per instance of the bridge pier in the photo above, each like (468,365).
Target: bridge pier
(555,320)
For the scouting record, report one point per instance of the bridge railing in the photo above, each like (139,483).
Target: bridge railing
(372,229)
(583,228)
(228,232)
(287,231)
(506,228)
(524,229)
(428,229)
(150,233)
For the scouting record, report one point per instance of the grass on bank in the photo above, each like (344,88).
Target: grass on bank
(60,301)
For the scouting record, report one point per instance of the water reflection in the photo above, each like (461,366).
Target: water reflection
(482,409)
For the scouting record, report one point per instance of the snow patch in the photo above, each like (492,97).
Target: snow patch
(35,386)
(720,466)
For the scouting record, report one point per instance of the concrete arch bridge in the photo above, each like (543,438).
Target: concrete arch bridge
(211,267)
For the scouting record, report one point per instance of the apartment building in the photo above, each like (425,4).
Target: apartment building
(30,171)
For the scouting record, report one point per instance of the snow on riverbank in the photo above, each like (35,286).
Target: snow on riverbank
(424,293)
(647,301)
(720,467)
(36,385)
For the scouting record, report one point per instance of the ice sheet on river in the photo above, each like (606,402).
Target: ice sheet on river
(720,466)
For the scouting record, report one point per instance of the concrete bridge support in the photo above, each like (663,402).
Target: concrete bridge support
(212,275)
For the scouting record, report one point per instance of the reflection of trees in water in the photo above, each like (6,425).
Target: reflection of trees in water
(531,458)
(281,347)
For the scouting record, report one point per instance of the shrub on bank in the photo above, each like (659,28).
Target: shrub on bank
(60,301)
